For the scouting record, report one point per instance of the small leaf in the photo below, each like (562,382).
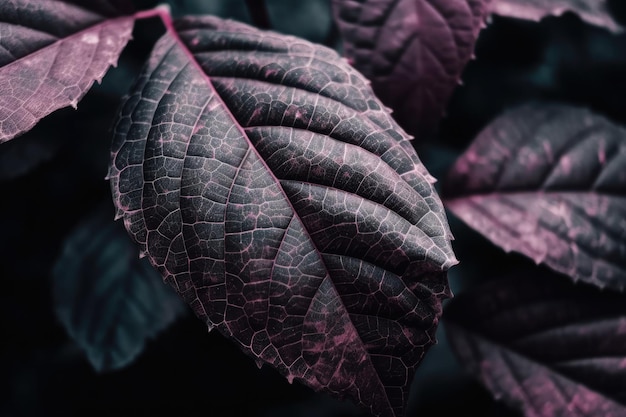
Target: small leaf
(51,52)
(413,51)
(274,192)
(544,345)
(110,301)
(548,181)
(595,12)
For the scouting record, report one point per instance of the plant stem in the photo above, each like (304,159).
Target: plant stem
(162,11)
(258,13)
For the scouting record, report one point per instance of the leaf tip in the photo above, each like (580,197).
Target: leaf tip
(452,261)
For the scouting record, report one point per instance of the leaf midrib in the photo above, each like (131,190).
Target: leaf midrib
(172,32)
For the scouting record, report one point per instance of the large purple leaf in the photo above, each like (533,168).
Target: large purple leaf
(269,186)
(413,51)
(110,301)
(544,345)
(549,181)
(51,52)
(595,12)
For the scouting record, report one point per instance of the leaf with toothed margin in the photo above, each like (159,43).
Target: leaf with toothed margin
(544,345)
(548,181)
(270,187)
(595,12)
(413,51)
(110,301)
(51,52)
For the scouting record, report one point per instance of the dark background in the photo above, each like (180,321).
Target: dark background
(185,371)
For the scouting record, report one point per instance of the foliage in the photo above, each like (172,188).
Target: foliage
(266,180)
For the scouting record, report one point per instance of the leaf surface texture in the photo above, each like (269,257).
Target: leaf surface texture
(548,181)
(272,190)
(544,345)
(413,51)
(51,52)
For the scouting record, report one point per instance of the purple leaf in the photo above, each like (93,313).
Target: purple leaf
(269,186)
(51,52)
(544,345)
(548,181)
(413,51)
(595,12)
(110,301)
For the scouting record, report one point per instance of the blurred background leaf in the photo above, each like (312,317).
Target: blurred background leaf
(542,344)
(108,299)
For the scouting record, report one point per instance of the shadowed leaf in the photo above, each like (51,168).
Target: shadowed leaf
(38,146)
(110,301)
(51,52)
(413,51)
(595,12)
(548,181)
(544,345)
(268,185)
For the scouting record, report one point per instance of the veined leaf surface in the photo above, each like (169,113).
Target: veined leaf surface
(413,51)
(544,345)
(549,181)
(51,52)
(272,190)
